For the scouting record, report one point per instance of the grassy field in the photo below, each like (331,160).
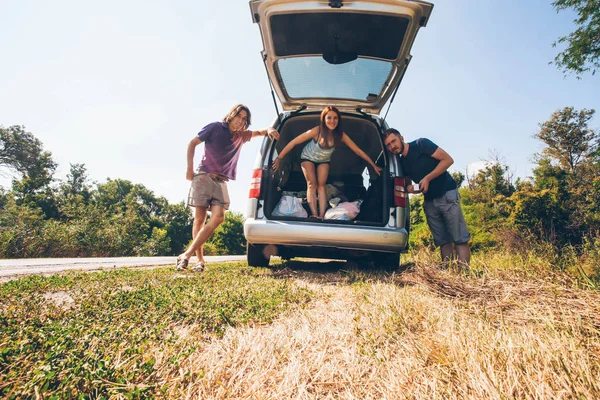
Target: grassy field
(511,327)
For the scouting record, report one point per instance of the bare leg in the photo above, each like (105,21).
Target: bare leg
(463,252)
(322,173)
(308,168)
(446,250)
(199,220)
(216,218)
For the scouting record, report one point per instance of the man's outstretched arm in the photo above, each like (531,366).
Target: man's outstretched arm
(272,133)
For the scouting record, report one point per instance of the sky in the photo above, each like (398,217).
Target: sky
(122,87)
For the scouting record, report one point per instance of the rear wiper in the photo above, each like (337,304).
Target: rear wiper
(364,114)
(292,113)
(297,110)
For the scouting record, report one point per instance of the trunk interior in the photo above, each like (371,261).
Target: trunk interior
(349,187)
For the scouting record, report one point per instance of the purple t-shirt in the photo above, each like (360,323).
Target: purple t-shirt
(221,149)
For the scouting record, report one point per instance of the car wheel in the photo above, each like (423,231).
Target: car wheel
(255,255)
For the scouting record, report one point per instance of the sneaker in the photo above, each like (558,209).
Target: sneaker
(198,267)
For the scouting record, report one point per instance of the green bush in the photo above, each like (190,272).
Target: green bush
(157,245)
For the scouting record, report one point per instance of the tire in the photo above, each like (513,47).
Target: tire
(255,256)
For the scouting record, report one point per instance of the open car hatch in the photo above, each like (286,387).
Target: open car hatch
(350,54)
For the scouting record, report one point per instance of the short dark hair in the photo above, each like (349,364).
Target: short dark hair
(235,110)
(391,131)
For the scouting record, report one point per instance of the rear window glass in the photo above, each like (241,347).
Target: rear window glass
(313,77)
(368,35)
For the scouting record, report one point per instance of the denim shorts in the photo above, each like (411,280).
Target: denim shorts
(446,220)
(207,190)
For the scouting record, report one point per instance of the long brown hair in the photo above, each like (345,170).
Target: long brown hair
(337,132)
(235,110)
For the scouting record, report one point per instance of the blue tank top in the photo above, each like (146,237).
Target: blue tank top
(316,153)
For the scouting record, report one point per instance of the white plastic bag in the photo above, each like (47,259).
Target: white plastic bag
(290,206)
(344,211)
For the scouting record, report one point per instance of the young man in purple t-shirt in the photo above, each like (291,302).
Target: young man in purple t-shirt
(222,145)
(427,164)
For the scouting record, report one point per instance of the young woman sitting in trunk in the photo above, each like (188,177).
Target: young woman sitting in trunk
(323,140)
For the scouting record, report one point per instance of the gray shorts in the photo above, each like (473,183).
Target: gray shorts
(446,220)
(207,190)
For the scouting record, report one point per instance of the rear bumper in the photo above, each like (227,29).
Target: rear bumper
(323,235)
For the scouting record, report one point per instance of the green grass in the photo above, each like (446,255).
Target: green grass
(100,335)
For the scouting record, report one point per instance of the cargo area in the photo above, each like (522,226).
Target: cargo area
(355,193)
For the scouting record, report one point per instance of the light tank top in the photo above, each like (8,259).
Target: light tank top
(316,153)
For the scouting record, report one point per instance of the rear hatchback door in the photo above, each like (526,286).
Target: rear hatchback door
(351,54)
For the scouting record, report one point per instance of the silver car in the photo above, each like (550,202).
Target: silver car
(351,55)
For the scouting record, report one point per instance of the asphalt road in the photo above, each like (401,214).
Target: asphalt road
(14,268)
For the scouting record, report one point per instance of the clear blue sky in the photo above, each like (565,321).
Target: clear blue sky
(123,86)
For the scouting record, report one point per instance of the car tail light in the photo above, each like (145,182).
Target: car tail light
(255,184)
(400,193)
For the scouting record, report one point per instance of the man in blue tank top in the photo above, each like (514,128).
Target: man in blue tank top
(427,164)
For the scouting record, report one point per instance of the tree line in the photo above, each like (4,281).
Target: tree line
(41,216)
(559,206)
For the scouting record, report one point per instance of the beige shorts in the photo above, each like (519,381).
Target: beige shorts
(207,190)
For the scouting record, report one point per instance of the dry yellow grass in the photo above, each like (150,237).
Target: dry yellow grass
(425,333)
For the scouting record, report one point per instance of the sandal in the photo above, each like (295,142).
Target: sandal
(198,267)
(182,264)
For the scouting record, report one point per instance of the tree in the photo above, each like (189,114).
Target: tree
(77,182)
(157,245)
(178,223)
(229,236)
(118,218)
(3,198)
(22,152)
(73,195)
(486,202)
(562,204)
(458,177)
(21,230)
(583,45)
(132,211)
(494,179)
(569,141)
